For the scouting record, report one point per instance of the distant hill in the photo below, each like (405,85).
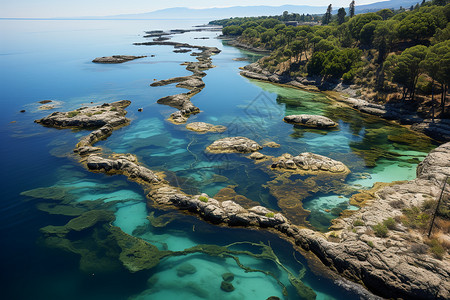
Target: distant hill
(253,11)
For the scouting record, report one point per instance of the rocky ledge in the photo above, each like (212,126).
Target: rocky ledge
(202,127)
(310,121)
(116,59)
(309,162)
(237,144)
(399,264)
(194,83)
(112,114)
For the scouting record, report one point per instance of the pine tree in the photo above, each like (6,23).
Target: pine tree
(351,9)
(327,16)
(341,15)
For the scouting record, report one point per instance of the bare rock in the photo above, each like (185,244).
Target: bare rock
(202,127)
(310,121)
(234,145)
(310,162)
(257,156)
(115,59)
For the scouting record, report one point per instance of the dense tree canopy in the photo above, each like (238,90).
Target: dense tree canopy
(383,49)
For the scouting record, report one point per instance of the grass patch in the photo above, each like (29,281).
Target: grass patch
(370,243)
(358,223)
(98,112)
(380,230)
(270,215)
(72,114)
(436,249)
(113,109)
(389,223)
(203,199)
(415,218)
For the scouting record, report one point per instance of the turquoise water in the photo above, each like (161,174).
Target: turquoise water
(52,60)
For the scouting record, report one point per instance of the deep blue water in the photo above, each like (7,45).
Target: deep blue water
(43,60)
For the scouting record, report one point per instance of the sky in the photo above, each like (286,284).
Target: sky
(78,8)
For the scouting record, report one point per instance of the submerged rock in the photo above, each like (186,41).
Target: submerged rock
(310,121)
(202,127)
(310,162)
(237,144)
(228,277)
(226,286)
(115,59)
(186,269)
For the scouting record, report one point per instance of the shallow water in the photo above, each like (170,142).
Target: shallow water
(39,62)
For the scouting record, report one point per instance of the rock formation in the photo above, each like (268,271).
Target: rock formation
(115,59)
(310,121)
(202,127)
(309,162)
(194,83)
(237,144)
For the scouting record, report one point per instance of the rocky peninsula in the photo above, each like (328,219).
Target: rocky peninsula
(194,82)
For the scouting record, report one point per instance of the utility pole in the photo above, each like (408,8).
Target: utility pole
(437,206)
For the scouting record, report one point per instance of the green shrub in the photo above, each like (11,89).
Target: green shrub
(72,114)
(358,223)
(437,249)
(380,230)
(113,109)
(389,223)
(98,112)
(203,199)
(370,243)
(414,218)
(270,215)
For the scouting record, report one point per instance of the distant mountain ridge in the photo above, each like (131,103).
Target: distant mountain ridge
(254,11)
(240,11)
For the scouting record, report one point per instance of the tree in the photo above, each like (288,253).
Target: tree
(367,33)
(385,13)
(327,16)
(404,69)
(357,23)
(383,38)
(417,26)
(437,65)
(341,15)
(351,9)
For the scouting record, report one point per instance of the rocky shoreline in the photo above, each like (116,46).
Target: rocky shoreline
(194,82)
(386,266)
(438,129)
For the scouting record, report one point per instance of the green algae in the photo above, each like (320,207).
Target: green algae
(57,193)
(65,210)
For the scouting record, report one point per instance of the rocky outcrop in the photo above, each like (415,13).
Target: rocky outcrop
(194,82)
(310,121)
(123,164)
(115,59)
(309,162)
(438,129)
(112,114)
(202,127)
(237,144)
(388,266)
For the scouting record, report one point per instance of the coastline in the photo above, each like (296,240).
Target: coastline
(438,129)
